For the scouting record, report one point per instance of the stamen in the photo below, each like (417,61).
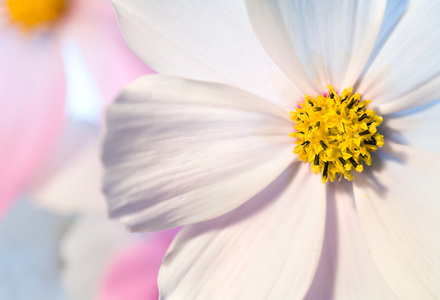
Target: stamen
(335,132)
(305,144)
(353,162)
(343,162)
(364,116)
(351,103)
(325,171)
(316,162)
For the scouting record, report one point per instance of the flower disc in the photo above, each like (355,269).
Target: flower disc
(336,133)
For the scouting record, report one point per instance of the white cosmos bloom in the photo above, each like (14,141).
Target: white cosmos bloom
(214,156)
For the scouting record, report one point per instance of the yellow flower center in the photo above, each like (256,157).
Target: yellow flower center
(31,13)
(336,133)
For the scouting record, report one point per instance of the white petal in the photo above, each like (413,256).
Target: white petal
(394,12)
(406,71)
(209,40)
(330,40)
(266,249)
(180,151)
(399,208)
(87,249)
(73,173)
(418,128)
(346,269)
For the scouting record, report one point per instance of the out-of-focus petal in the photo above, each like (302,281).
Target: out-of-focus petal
(418,127)
(30,266)
(94,27)
(70,181)
(346,270)
(209,40)
(406,71)
(268,248)
(32,93)
(317,43)
(398,204)
(87,248)
(133,273)
(180,151)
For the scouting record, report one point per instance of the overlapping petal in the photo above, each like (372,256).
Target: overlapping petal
(398,206)
(346,270)
(179,151)
(211,40)
(317,43)
(267,248)
(418,127)
(406,71)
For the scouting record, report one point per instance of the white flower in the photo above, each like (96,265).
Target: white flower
(215,155)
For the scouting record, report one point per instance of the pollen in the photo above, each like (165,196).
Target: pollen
(336,133)
(32,13)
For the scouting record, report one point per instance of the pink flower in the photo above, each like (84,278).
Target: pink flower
(133,274)
(32,78)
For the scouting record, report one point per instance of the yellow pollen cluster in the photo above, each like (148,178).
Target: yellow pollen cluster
(30,13)
(336,133)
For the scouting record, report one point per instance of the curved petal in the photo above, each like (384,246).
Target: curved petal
(268,248)
(418,128)
(210,40)
(180,151)
(346,270)
(406,71)
(133,273)
(399,211)
(32,93)
(330,40)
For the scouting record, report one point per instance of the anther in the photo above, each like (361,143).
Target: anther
(316,162)
(365,132)
(372,142)
(364,116)
(343,162)
(350,105)
(325,171)
(353,162)
(323,145)
(305,144)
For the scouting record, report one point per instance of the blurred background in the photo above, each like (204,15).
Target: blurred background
(61,63)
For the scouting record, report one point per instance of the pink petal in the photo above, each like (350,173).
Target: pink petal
(32,92)
(133,274)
